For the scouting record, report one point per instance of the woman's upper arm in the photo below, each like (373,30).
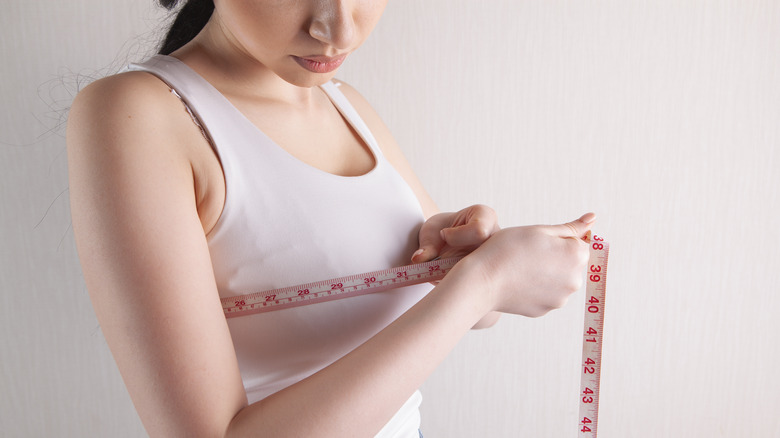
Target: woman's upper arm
(390,148)
(145,258)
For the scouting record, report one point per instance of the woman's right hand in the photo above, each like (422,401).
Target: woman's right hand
(530,270)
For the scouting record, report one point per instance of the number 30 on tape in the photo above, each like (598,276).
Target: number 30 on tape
(592,340)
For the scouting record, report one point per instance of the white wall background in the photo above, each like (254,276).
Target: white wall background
(663,117)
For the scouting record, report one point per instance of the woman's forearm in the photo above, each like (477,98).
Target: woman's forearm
(359,393)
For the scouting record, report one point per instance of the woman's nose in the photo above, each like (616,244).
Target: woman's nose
(333,23)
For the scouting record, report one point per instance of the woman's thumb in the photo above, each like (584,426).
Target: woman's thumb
(431,242)
(578,229)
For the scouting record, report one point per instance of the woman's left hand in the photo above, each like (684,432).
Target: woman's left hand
(455,234)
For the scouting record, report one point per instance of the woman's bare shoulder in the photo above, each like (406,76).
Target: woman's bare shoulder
(125,95)
(123,89)
(133,113)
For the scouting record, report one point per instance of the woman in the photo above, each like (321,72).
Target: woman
(231,163)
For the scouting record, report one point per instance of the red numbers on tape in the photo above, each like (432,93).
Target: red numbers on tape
(590,382)
(336,288)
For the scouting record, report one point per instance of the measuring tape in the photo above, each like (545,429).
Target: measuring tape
(337,288)
(592,337)
(378,281)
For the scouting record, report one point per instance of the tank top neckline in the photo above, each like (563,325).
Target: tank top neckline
(344,108)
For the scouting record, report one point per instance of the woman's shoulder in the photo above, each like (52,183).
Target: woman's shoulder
(127,109)
(128,118)
(124,94)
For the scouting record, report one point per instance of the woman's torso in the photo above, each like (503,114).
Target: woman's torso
(285,221)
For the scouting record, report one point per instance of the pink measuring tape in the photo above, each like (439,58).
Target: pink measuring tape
(592,337)
(378,281)
(337,288)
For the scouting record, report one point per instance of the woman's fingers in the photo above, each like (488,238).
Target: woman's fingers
(430,238)
(576,229)
(470,234)
(448,234)
(472,227)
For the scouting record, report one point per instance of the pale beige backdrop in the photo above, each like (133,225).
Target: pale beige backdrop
(663,117)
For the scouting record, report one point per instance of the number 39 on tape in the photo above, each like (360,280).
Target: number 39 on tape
(592,341)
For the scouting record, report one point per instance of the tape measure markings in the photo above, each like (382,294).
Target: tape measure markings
(337,288)
(592,338)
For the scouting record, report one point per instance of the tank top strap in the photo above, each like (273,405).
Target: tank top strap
(346,109)
(189,86)
(222,123)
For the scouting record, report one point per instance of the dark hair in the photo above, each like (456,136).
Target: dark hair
(188,22)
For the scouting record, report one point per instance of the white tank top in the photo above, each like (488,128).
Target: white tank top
(284,223)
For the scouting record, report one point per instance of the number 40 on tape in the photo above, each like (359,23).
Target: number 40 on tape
(592,341)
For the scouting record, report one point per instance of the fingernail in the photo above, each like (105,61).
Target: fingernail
(588,218)
(418,252)
(441,233)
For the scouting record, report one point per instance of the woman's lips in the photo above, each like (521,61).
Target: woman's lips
(320,64)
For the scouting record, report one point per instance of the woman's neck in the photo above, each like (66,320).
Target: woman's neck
(231,69)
